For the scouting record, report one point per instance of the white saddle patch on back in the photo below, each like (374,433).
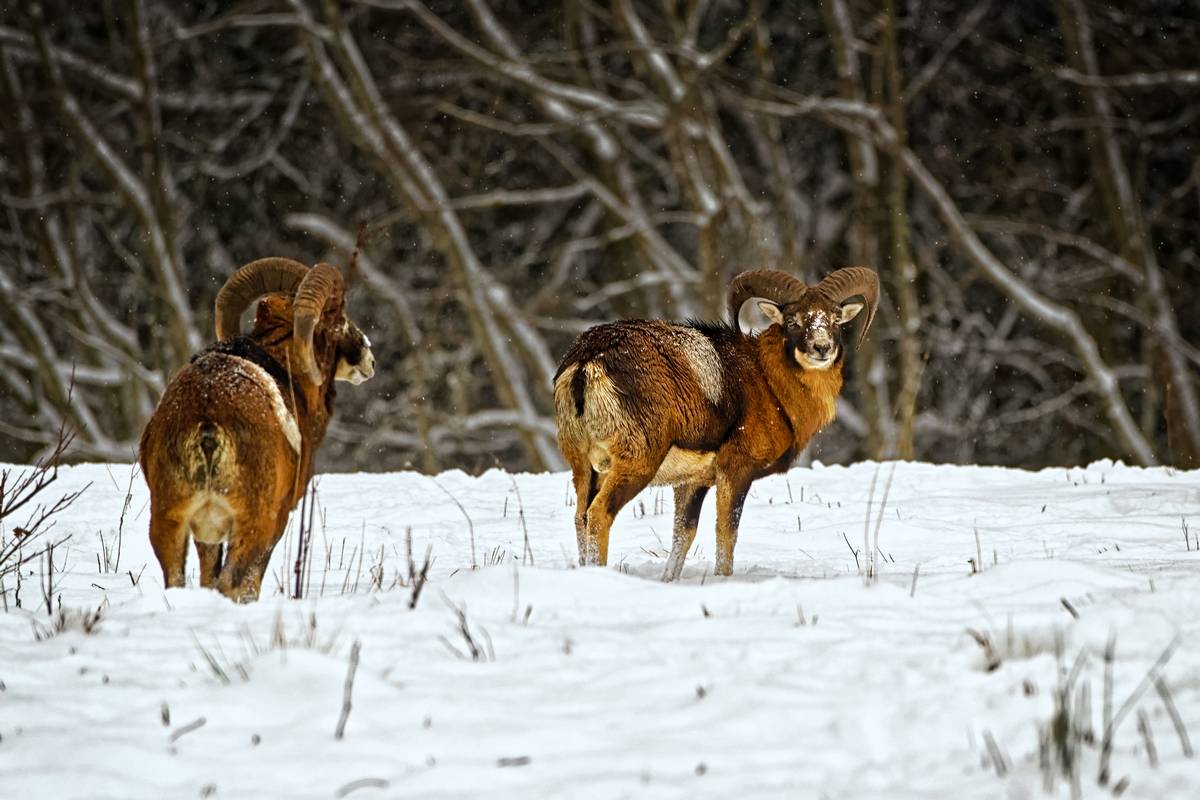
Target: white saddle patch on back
(703,359)
(287,422)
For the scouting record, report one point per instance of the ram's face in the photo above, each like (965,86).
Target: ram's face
(355,361)
(813,330)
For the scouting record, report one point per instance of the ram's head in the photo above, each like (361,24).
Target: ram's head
(301,320)
(355,361)
(811,316)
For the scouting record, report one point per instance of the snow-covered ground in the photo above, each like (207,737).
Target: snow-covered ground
(790,679)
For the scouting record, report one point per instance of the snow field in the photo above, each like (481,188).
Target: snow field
(790,679)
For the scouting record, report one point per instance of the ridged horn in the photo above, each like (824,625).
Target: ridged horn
(841,285)
(322,282)
(264,276)
(769,284)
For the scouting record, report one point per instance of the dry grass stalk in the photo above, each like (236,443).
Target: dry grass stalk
(348,691)
(478,647)
(416,577)
(22,490)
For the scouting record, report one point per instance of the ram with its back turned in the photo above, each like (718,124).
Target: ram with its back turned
(230,448)
(696,405)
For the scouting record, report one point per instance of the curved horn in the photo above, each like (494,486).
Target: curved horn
(322,282)
(771,284)
(848,282)
(251,282)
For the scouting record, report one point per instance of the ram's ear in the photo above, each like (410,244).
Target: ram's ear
(849,312)
(771,311)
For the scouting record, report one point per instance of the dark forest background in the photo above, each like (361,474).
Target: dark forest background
(1023,175)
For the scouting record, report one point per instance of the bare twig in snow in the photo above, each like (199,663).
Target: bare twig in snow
(348,691)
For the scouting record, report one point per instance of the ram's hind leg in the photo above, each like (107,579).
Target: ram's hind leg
(617,487)
(587,484)
(688,502)
(255,531)
(245,561)
(168,538)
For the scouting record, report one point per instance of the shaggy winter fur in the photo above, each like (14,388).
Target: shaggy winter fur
(229,450)
(692,405)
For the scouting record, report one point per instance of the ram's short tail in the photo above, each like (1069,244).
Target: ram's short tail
(578,386)
(209,443)
(208,455)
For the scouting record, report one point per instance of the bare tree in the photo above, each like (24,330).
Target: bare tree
(1026,189)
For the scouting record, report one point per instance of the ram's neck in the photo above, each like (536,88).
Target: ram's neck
(312,406)
(807,397)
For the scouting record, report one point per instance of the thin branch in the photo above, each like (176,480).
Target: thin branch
(1175,78)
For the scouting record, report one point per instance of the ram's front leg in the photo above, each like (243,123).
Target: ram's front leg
(211,558)
(731,496)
